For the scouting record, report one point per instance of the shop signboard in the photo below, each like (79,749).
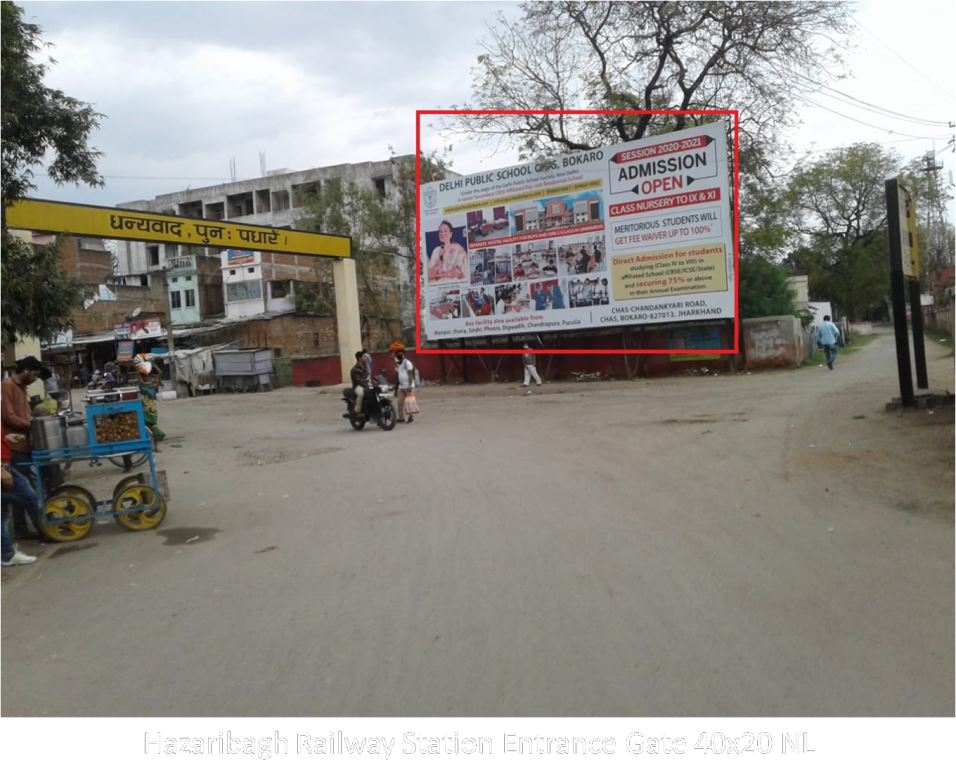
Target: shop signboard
(631,234)
(138,328)
(236,258)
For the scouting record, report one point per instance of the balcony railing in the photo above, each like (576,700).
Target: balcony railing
(186,263)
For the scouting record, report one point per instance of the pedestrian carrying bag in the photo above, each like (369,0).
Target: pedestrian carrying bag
(411,404)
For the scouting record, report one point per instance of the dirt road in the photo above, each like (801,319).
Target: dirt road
(774,544)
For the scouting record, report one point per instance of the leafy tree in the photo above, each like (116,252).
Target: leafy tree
(344,208)
(434,166)
(764,290)
(383,234)
(764,234)
(839,209)
(755,57)
(38,296)
(764,226)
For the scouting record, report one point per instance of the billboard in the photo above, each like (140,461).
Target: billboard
(138,328)
(630,234)
(234,258)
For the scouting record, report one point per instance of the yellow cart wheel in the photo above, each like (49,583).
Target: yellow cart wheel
(75,490)
(139,507)
(68,514)
(128,480)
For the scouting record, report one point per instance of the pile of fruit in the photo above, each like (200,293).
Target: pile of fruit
(116,428)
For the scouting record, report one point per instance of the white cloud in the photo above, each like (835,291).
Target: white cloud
(173,102)
(188,86)
(308,84)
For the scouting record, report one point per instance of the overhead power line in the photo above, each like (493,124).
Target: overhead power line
(862,122)
(869,106)
(860,104)
(821,150)
(905,141)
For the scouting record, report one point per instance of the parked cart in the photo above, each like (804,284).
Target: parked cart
(113,430)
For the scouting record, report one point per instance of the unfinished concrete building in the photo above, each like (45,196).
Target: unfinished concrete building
(252,283)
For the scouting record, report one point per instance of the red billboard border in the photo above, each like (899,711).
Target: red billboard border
(418,256)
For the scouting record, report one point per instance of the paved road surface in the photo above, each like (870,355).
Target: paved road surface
(774,544)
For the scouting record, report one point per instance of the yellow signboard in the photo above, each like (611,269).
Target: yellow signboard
(908,243)
(126,224)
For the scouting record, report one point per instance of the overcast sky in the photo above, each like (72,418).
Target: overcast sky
(187,87)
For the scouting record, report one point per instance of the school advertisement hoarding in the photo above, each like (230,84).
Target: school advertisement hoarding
(630,234)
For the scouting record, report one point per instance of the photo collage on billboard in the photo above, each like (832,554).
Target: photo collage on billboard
(505,260)
(444,303)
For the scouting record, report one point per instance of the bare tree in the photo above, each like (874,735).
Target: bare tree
(644,56)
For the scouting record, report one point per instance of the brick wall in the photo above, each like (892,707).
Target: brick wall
(306,269)
(379,298)
(316,371)
(101,316)
(291,335)
(89,266)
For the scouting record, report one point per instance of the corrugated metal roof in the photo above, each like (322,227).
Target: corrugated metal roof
(82,340)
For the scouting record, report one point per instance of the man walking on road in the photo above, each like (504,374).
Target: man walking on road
(530,369)
(828,335)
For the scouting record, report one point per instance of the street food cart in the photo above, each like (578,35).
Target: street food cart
(115,428)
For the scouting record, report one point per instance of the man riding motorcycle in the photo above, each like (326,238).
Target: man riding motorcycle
(368,401)
(360,381)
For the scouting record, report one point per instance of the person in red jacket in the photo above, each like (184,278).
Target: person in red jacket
(16,490)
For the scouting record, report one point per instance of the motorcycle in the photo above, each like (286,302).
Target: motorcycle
(377,406)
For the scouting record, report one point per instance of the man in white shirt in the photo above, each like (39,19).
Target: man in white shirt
(405,372)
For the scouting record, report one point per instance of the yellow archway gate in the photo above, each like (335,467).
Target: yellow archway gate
(127,224)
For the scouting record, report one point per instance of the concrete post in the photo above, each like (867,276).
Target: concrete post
(347,313)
